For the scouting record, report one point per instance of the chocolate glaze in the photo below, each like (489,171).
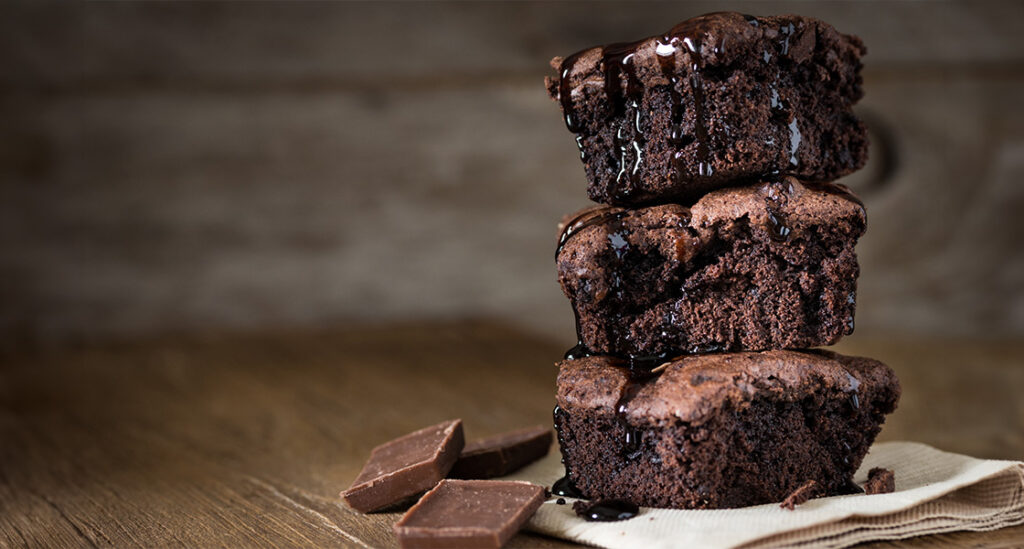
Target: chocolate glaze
(635,378)
(565,92)
(605,510)
(564,486)
(587,218)
(617,65)
(622,88)
(617,61)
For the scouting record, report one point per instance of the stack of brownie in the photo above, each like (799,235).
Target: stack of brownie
(721,253)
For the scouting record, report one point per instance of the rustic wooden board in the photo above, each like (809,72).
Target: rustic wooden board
(246,440)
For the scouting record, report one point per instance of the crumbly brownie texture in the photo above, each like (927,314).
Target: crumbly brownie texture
(880,481)
(720,431)
(719,98)
(768,266)
(801,495)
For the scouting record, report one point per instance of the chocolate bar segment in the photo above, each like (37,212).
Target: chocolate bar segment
(468,513)
(502,454)
(406,466)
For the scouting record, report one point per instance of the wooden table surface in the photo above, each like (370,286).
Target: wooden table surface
(246,439)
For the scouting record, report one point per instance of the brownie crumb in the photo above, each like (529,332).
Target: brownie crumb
(800,496)
(880,481)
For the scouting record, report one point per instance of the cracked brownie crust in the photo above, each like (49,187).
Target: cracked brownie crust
(720,431)
(767,266)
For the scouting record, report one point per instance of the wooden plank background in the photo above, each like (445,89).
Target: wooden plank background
(178,167)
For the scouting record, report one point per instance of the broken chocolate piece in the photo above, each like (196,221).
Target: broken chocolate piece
(469,513)
(800,496)
(605,510)
(502,454)
(880,481)
(406,466)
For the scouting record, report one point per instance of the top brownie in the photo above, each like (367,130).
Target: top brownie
(720,98)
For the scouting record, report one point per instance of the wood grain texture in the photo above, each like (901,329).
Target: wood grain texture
(199,166)
(246,439)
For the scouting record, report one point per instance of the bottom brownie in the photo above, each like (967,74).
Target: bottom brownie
(720,431)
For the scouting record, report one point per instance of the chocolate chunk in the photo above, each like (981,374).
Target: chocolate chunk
(502,454)
(605,510)
(800,496)
(880,481)
(406,466)
(469,513)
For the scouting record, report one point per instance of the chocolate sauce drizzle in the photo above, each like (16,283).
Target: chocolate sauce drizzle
(854,385)
(623,91)
(565,93)
(638,371)
(605,510)
(587,218)
(564,486)
(776,194)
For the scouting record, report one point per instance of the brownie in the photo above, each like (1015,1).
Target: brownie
(801,495)
(766,266)
(720,98)
(720,430)
(880,481)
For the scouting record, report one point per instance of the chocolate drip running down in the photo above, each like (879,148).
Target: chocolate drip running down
(565,95)
(622,89)
(605,510)
(564,486)
(587,218)
(638,371)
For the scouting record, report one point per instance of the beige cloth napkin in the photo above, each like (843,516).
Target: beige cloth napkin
(935,492)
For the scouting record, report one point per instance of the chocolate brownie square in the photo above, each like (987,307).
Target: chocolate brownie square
(766,266)
(720,98)
(720,430)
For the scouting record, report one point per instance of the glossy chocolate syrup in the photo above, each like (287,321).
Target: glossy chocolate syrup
(638,371)
(623,90)
(587,218)
(605,510)
(777,193)
(617,64)
(854,385)
(565,92)
(564,486)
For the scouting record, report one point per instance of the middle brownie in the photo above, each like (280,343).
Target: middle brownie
(767,266)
